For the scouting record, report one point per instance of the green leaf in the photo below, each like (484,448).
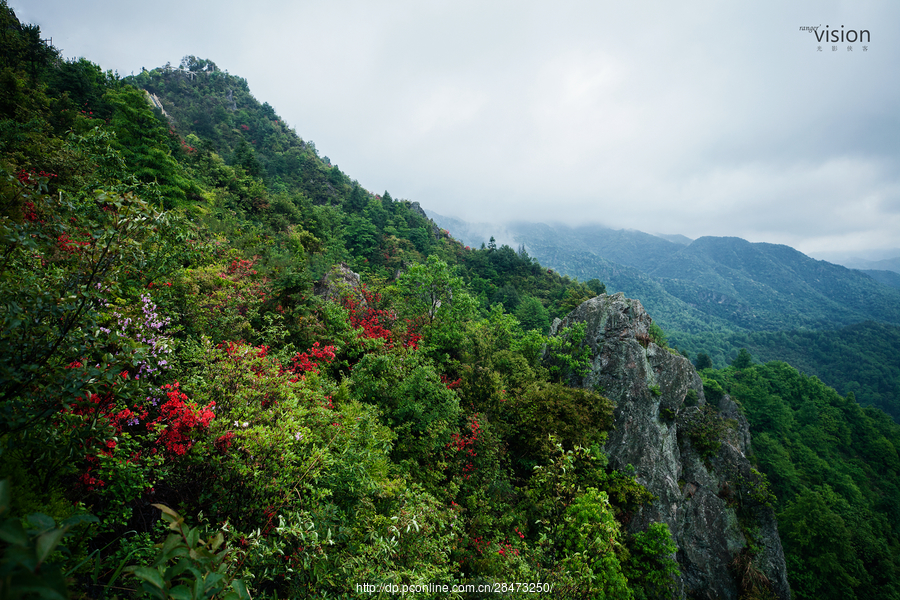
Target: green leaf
(193,536)
(151,576)
(41,521)
(213,579)
(12,532)
(47,542)
(80,518)
(170,544)
(216,542)
(241,589)
(181,592)
(177,569)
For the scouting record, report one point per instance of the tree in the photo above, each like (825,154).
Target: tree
(361,236)
(532,315)
(508,297)
(430,296)
(427,290)
(818,544)
(357,200)
(703,361)
(743,360)
(596,286)
(245,157)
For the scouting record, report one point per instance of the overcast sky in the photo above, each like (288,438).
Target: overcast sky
(701,117)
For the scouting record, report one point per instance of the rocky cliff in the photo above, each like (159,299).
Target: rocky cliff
(688,449)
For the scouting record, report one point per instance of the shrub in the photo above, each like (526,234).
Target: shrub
(705,428)
(573,416)
(187,566)
(567,355)
(691,398)
(712,390)
(650,567)
(658,336)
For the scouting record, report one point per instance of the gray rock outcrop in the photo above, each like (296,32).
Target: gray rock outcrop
(691,455)
(339,283)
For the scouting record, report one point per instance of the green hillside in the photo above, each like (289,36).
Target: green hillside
(780,287)
(890,278)
(717,295)
(858,359)
(198,400)
(833,469)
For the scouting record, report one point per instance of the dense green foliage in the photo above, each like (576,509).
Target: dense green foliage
(718,295)
(833,467)
(165,354)
(859,359)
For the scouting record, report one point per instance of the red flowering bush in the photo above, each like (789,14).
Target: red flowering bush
(308,362)
(463,446)
(379,323)
(181,421)
(223,442)
(177,426)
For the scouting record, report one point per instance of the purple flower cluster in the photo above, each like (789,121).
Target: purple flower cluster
(147,330)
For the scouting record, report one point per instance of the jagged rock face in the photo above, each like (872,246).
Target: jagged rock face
(338,283)
(703,497)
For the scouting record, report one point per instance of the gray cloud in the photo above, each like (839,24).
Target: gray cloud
(701,118)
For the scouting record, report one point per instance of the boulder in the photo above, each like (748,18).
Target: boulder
(340,283)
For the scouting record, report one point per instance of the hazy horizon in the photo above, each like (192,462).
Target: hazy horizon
(698,119)
(501,234)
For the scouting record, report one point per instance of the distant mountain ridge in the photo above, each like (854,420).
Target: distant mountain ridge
(889,278)
(716,295)
(716,280)
(867,264)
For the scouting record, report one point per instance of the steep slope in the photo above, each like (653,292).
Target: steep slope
(215,111)
(889,278)
(778,286)
(691,456)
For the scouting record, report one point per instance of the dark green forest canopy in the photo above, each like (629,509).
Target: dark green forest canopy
(833,468)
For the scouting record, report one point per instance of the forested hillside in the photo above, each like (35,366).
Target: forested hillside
(833,468)
(227,370)
(859,359)
(198,400)
(714,296)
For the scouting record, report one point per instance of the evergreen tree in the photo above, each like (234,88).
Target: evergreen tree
(742,360)
(703,361)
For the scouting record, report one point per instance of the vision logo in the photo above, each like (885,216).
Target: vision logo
(842,35)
